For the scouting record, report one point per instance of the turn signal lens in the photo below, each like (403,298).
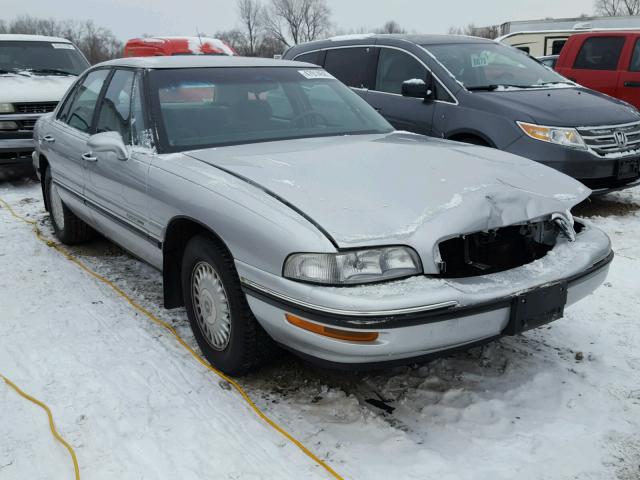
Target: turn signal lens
(331,332)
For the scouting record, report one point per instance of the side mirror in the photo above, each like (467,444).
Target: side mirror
(108,142)
(418,88)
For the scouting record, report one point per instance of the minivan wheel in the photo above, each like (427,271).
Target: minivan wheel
(67,226)
(226,331)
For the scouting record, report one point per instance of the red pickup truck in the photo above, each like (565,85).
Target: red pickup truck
(608,62)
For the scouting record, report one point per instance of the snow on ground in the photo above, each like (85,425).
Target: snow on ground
(561,402)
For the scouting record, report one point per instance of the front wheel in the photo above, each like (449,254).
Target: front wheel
(66,225)
(228,334)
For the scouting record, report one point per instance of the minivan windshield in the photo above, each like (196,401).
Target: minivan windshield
(490,66)
(207,107)
(40,58)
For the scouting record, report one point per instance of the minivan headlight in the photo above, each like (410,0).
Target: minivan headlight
(6,108)
(569,137)
(353,267)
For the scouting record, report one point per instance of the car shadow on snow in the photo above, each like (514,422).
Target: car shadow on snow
(617,204)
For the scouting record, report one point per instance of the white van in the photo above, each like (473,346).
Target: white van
(35,72)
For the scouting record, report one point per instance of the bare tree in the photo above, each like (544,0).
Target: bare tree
(492,31)
(613,8)
(391,27)
(250,12)
(297,21)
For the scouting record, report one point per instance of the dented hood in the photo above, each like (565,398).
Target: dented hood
(400,188)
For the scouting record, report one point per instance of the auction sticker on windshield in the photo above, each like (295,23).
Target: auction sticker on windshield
(480,59)
(66,46)
(316,73)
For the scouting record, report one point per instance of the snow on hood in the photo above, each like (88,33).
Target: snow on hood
(16,88)
(398,188)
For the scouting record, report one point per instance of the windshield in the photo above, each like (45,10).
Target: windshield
(41,58)
(490,66)
(206,107)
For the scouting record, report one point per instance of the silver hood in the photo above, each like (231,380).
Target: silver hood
(400,188)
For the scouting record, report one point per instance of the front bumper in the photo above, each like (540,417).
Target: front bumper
(15,156)
(598,173)
(419,317)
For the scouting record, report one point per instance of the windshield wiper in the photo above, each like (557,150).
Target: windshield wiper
(52,71)
(555,83)
(495,86)
(17,71)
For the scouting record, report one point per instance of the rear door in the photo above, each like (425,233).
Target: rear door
(394,67)
(117,188)
(629,79)
(67,139)
(596,63)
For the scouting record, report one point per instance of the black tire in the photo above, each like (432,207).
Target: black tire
(247,345)
(69,229)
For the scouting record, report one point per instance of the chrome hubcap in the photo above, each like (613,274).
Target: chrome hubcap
(211,305)
(56,208)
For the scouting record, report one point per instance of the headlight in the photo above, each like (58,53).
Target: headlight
(353,267)
(6,108)
(569,137)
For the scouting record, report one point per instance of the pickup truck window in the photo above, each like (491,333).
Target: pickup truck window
(206,107)
(80,113)
(599,53)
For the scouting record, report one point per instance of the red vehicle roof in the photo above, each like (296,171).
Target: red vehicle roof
(160,46)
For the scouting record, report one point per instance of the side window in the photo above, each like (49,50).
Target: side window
(81,109)
(311,57)
(556,46)
(395,67)
(524,49)
(599,53)
(634,66)
(349,65)
(115,108)
(140,135)
(64,110)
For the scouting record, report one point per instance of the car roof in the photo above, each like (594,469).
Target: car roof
(31,38)
(201,61)
(420,39)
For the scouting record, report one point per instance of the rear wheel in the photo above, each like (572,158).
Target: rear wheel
(228,334)
(66,225)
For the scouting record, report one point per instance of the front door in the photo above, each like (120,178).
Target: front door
(629,79)
(117,188)
(404,113)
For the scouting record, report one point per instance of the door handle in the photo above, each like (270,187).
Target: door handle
(632,84)
(89,157)
(48,139)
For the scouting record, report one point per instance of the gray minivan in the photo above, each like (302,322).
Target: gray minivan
(479,91)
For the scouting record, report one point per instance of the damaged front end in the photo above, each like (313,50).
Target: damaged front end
(505,248)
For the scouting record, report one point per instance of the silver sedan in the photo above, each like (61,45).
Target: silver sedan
(283,210)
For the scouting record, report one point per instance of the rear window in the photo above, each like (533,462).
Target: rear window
(599,53)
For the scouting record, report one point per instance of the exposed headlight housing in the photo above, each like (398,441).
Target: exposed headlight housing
(353,267)
(568,137)
(6,108)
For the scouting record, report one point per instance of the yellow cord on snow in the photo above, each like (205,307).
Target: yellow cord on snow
(52,425)
(179,339)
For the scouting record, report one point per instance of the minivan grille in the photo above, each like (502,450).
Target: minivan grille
(612,140)
(41,107)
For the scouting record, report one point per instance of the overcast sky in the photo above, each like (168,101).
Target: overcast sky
(131,18)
